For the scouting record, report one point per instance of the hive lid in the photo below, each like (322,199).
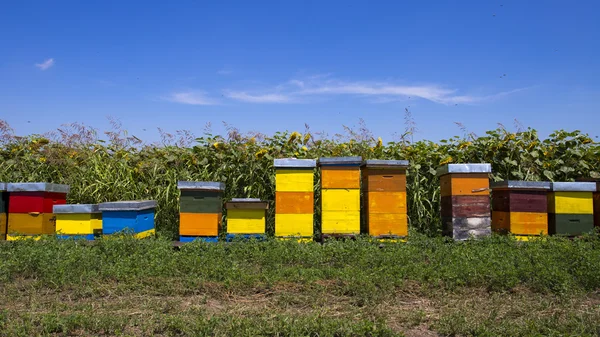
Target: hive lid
(247,203)
(340,161)
(76,208)
(594,180)
(574,186)
(134,205)
(201,185)
(2,187)
(379,163)
(464,168)
(294,163)
(521,184)
(37,187)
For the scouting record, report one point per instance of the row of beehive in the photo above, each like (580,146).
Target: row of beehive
(384,202)
(30,209)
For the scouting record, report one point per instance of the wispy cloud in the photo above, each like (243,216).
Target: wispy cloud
(301,90)
(46,64)
(260,98)
(191,98)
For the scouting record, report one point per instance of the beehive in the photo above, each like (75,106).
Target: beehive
(200,210)
(135,217)
(3,211)
(384,198)
(78,221)
(246,218)
(571,208)
(294,198)
(520,207)
(30,207)
(340,195)
(465,200)
(596,197)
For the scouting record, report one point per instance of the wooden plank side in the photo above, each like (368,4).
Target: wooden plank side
(73,224)
(294,180)
(199,224)
(465,206)
(294,224)
(31,224)
(340,222)
(3,202)
(200,202)
(387,224)
(570,224)
(384,180)
(571,203)
(386,202)
(520,201)
(528,223)
(597,209)
(246,221)
(501,222)
(464,184)
(294,202)
(340,177)
(3,226)
(340,199)
(39,202)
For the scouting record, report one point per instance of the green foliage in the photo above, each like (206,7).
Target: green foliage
(123,168)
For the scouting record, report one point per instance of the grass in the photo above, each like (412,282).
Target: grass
(425,287)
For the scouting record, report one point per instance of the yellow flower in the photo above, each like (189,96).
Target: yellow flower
(344,146)
(218,145)
(261,153)
(304,148)
(379,142)
(42,160)
(586,141)
(293,136)
(463,145)
(306,138)
(446,161)
(252,140)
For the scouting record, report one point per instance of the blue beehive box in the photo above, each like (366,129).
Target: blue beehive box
(128,216)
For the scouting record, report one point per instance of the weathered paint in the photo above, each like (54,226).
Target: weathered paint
(138,222)
(199,224)
(464,184)
(570,224)
(520,223)
(294,180)
(387,224)
(340,177)
(38,202)
(520,201)
(340,222)
(385,202)
(31,224)
(294,202)
(246,221)
(571,203)
(294,224)
(198,238)
(340,200)
(3,226)
(383,180)
(78,224)
(464,206)
(194,201)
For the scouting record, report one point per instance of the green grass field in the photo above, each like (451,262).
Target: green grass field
(425,287)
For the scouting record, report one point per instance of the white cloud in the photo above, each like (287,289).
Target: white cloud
(191,98)
(297,90)
(260,98)
(46,64)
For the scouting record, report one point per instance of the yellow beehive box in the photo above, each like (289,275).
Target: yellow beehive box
(340,195)
(294,197)
(78,220)
(246,217)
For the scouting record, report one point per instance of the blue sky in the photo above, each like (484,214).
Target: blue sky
(274,65)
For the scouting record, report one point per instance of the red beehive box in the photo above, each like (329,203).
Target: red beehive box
(35,197)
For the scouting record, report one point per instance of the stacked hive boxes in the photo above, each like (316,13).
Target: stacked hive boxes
(465,202)
(520,207)
(78,221)
(384,198)
(340,196)
(200,210)
(3,211)
(294,198)
(135,217)
(571,208)
(246,218)
(596,197)
(30,208)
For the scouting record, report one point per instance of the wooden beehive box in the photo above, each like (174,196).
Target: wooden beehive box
(465,200)
(340,195)
(246,217)
(571,208)
(78,221)
(384,211)
(136,216)
(596,197)
(3,211)
(200,210)
(520,207)
(30,207)
(294,197)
